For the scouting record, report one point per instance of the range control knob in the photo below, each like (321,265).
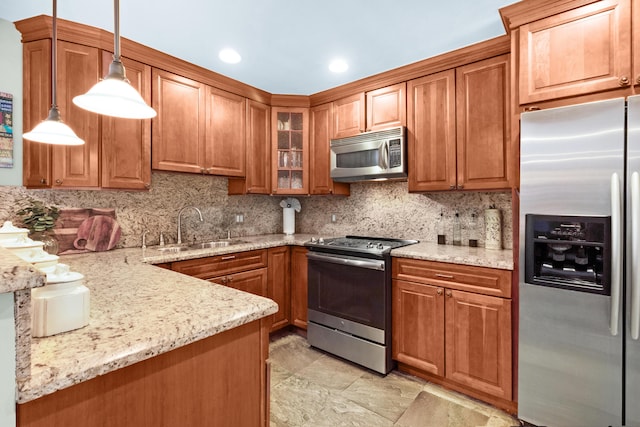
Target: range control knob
(380,246)
(314,240)
(369,245)
(321,241)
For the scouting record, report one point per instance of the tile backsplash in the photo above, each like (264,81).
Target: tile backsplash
(375,209)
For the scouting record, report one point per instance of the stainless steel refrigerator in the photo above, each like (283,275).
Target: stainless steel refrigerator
(579,354)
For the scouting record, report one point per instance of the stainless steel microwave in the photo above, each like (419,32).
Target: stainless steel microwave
(370,156)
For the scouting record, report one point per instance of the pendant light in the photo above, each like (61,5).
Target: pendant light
(114,95)
(52,130)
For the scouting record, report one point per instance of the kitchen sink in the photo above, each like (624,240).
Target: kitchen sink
(172,249)
(202,245)
(215,244)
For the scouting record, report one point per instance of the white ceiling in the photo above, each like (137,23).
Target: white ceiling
(286,45)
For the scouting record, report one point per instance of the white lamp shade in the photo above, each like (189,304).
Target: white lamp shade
(53,132)
(115,97)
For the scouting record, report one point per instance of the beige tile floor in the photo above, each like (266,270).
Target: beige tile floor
(312,388)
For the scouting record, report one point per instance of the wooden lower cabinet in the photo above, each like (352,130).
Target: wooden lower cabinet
(218,381)
(460,339)
(299,287)
(279,285)
(252,281)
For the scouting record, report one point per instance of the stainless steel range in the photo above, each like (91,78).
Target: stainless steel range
(350,298)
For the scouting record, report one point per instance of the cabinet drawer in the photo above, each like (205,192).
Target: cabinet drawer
(206,268)
(483,280)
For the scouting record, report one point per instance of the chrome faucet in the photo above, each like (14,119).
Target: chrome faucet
(180,221)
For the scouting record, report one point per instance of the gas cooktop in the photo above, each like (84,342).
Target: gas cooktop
(361,244)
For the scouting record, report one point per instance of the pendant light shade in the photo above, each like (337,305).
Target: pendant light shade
(53,130)
(114,96)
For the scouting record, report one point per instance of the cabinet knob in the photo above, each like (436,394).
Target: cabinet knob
(43,181)
(439,291)
(202,170)
(624,81)
(58,181)
(638,79)
(449,293)
(460,187)
(224,280)
(229,279)
(452,187)
(147,185)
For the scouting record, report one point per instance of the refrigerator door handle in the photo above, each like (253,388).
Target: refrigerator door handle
(635,252)
(616,252)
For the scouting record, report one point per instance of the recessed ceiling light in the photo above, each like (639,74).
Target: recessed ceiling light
(229,56)
(338,66)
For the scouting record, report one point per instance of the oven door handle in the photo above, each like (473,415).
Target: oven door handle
(371,264)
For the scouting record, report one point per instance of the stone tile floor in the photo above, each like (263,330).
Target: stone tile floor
(312,388)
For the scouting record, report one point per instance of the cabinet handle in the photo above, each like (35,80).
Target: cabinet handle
(624,81)
(444,276)
(439,291)
(58,181)
(449,293)
(532,108)
(227,258)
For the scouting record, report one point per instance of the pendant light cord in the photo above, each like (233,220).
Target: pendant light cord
(54,53)
(116,30)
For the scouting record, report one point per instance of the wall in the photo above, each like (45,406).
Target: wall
(11,82)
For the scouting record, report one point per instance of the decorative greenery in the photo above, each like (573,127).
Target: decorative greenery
(36,216)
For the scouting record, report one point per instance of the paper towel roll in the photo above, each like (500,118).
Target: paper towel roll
(288,220)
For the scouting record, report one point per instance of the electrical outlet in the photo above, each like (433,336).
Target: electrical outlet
(239,218)
(334,218)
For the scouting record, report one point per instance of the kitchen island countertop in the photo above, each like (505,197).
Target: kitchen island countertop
(137,312)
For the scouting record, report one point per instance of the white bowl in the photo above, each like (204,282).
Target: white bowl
(23,247)
(9,232)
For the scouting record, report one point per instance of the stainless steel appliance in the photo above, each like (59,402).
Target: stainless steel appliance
(579,354)
(349,280)
(379,155)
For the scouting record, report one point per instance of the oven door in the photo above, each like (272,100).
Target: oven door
(348,287)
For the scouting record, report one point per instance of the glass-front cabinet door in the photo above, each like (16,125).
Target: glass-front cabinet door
(290,139)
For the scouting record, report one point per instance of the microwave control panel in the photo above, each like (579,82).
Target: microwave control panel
(395,153)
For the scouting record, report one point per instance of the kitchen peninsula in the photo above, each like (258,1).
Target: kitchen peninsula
(156,340)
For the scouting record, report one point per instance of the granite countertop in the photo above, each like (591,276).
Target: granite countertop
(137,311)
(481,257)
(17,274)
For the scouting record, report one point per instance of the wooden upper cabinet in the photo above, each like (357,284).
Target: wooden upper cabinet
(258,148)
(290,150)
(387,107)
(225,133)
(459,128)
(126,143)
(320,181)
(178,132)
(483,125)
(37,101)
(431,132)
(349,116)
(580,51)
(478,342)
(78,71)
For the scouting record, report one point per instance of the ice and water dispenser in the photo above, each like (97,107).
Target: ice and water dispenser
(569,252)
